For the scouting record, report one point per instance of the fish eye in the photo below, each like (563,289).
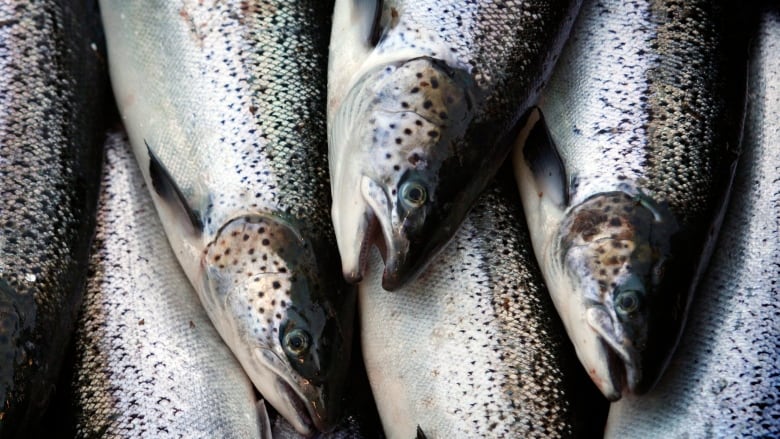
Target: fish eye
(413,194)
(627,301)
(296,342)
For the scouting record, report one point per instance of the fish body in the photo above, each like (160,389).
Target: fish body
(424,100)
(472,348)
(624,174)
(724,380)
(51,95)
(149,362)
(224,104)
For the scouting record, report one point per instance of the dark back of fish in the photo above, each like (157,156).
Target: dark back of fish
(51,87)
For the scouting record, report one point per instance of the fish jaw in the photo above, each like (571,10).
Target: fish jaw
(269,297)
(397,157)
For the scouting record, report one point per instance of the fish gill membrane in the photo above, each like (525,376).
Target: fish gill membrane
(724,380)
(52,87)
(424,100)
(224,104)
(149,361)
(472,347)
(623,172)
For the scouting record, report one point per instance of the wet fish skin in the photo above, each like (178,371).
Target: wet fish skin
(424,100)
(724,380)
(472,348)
(51,95)
(624,180)
(225,108)
(149,362)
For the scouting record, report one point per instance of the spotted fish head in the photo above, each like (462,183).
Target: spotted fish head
(401,175)
(275,306)
(615,249)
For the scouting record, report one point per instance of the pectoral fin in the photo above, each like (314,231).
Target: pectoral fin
(545,163)
(167,189)
(367,14)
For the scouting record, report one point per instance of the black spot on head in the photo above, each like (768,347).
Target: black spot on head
(427,104)
(614,222)
(434,83)
(276,285)
(407,131)
(405,104)
(266,241)
(246,237)
(398,140)
(433,133)
(414,90)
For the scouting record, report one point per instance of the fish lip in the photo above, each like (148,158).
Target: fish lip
(623,363)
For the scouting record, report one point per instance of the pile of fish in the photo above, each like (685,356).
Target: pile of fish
(307,225)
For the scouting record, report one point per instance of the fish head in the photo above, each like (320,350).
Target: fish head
(270,297)
(401,181)
(615,249)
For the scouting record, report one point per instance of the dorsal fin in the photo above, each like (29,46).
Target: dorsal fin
(420,433)
(545,163)
(166,188)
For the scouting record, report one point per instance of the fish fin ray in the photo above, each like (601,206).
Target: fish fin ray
(545,163)
(169,191)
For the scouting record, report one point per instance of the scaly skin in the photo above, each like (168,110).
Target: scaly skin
(473,348)
(52,84)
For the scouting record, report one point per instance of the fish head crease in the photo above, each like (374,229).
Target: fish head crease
(400,181)
(282,317)
(614,250)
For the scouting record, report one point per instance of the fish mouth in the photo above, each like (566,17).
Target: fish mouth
(618,370)
(387,235)
(298,400)
(305,420)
